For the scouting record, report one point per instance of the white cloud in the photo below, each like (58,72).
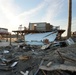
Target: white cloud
(8,11)
(34,10)
(25,17)
(53,9)
(63,23)
(11,16)
(8,8)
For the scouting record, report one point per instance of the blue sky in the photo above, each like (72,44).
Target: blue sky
(16,12)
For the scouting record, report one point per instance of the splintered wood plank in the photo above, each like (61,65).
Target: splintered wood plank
(58,67)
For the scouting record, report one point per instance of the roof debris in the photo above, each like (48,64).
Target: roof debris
(54,58)
(38,38)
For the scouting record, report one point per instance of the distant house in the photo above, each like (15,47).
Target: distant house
(3,33)
(42,26)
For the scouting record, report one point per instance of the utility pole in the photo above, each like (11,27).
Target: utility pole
(10,38)
(69,18)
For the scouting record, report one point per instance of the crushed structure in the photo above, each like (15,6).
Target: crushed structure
(42,53)
(35,60)
(38,38)
(40,27)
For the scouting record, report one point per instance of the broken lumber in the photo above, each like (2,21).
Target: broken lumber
(59,67)
(61,56)
(65,57)
(43,72)
(49,64)
(24,57)
(38,68)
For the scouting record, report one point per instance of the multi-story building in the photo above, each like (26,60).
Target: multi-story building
(42,26)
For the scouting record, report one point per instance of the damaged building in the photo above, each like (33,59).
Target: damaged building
(40,54)
(46,32)
(3,34)
(41,27)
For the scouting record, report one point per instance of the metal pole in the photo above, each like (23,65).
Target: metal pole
(69,19)
(10,38)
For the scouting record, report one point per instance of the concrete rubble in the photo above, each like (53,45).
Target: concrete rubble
(38,60)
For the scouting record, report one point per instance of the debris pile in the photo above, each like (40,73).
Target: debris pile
(37,60)
(61,59)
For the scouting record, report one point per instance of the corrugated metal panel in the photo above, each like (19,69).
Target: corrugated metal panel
(34,43)
(51,37)
(37,38)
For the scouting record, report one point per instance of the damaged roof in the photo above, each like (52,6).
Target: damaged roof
(37,38)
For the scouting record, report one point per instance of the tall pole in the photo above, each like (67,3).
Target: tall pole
(69,18)
(10,38)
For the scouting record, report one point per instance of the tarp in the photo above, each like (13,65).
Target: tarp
(37,38)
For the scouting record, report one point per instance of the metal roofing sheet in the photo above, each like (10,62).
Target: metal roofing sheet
(37,38)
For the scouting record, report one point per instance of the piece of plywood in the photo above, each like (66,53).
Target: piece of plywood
(58,67)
